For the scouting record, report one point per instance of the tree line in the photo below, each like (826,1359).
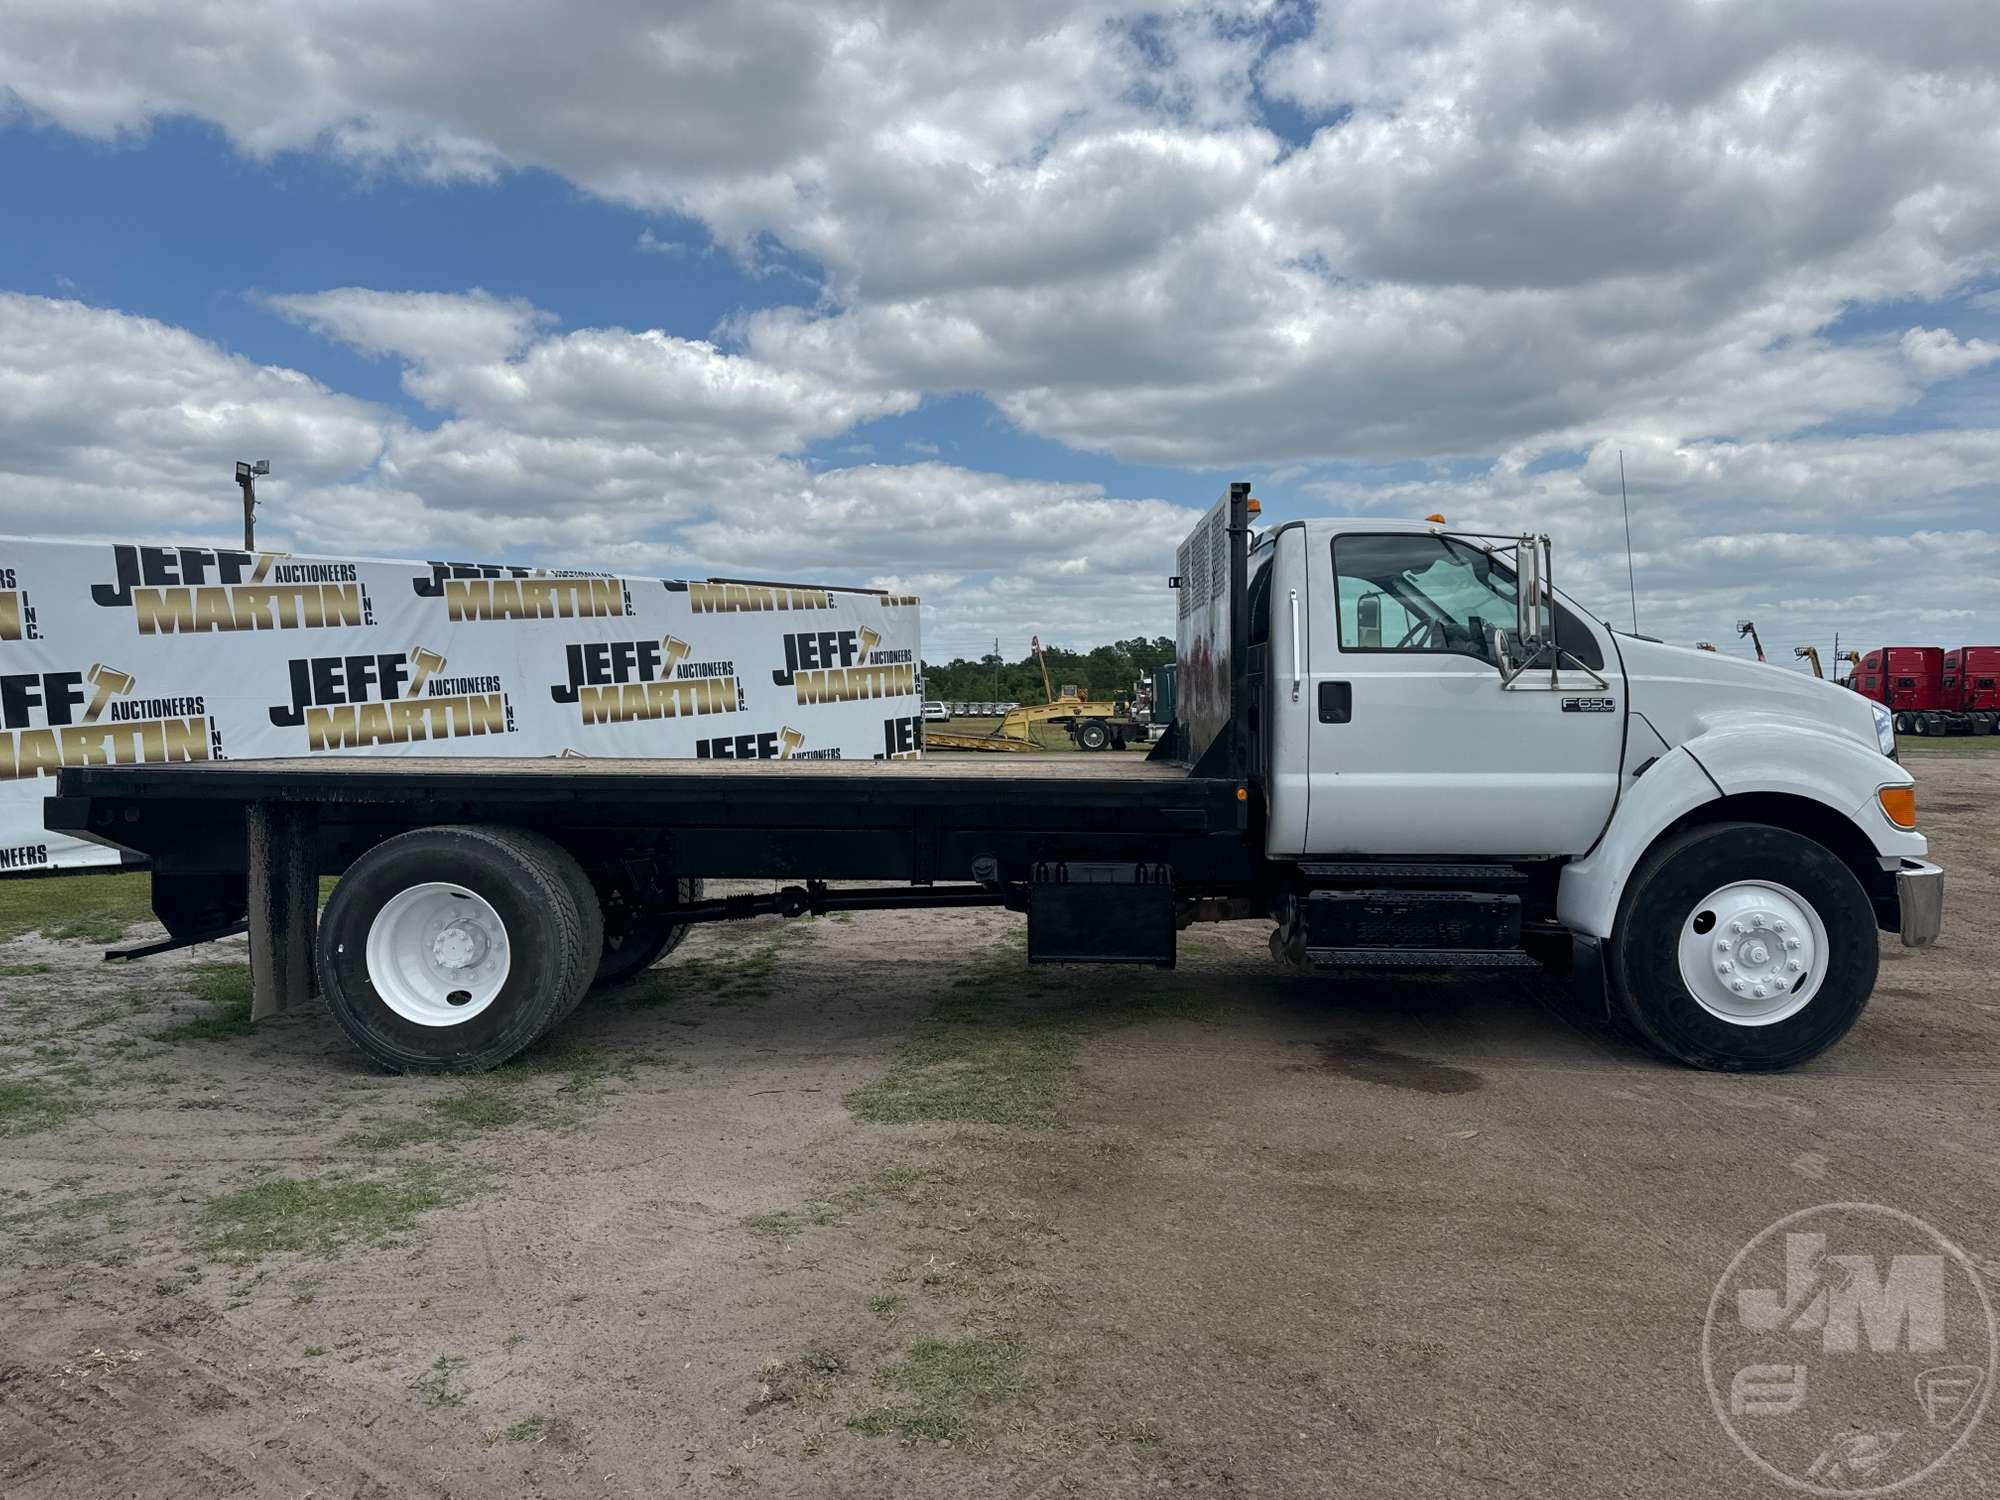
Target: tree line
(1101,672)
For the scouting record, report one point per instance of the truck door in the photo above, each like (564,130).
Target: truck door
(1414,745)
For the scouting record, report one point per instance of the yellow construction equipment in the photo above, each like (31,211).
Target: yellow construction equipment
(1015,731)
(1810,654)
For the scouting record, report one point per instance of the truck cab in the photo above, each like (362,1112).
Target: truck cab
(1456,760)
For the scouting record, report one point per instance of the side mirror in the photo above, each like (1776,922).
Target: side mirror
(1368,620)
(1530,591)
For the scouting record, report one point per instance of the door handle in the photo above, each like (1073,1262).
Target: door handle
(1336,702)
(1298,675)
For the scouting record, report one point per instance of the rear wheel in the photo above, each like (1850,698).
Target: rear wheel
(634,941)
(1742,947)
(1902,723)
(1092,735)
(450,949)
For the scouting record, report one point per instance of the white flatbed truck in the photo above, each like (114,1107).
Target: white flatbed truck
(1397,745)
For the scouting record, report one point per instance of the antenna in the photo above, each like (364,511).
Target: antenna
(1630,582)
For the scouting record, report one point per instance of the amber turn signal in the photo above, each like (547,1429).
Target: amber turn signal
(1900,803)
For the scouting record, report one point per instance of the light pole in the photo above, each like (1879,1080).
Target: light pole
(247,475)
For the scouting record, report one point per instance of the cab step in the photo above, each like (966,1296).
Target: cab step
(1386,927)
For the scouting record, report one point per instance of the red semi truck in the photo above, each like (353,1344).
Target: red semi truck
(1933,691)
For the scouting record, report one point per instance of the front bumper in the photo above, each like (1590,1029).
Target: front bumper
(1920,899)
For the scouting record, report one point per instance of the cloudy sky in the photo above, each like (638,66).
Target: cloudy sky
(988,300)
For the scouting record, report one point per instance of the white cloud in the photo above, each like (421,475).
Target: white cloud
(113,425)
(1936,354)
(1510,231)
(600,447)
(428,328)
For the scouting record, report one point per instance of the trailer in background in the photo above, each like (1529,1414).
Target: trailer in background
(1906,680)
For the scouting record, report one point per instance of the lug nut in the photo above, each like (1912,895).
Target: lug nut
(1737,928)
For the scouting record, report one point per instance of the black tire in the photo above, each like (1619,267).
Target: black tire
(1091,735)
(553,936)
(1902,723)
(1642,960)
(632,944)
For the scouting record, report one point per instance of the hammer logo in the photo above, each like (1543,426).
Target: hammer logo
(424,665)
(106,683)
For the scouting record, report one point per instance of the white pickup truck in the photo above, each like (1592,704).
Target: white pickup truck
(1395,744)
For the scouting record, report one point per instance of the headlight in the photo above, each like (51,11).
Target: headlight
(1885,729)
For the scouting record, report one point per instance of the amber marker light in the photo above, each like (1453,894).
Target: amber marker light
(1899,803)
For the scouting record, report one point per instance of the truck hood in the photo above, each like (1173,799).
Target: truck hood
(1683,693)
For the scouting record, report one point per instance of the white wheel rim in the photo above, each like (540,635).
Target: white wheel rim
(438,954)
(1753,953)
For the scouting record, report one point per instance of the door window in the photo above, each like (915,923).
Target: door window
(1419,593)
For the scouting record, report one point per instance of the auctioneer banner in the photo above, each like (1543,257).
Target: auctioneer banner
(128,654)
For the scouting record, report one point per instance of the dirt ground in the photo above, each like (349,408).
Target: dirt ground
(869,1208)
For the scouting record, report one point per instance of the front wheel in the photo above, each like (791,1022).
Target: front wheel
(1742,947)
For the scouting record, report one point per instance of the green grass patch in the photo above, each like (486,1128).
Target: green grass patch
(526,1430)
(96,908)
(1001,1046)
(319,1215)
(993,1074)
(945,1384)
(225,989)
(491,1101)
(435,1383)
(1950,746)
(746,980)
(22,971)
(779,1225)
(31,1104)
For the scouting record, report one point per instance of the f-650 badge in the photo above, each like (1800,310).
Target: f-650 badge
(1589,705)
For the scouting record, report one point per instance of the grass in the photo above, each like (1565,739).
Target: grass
(742,981)
(318,1215)
(93,908)
(22,971)
(780,1225)
(31,1104)
(996,1051)
(946,1384)
(96,908)
(526,1430)
(1955,746)
(435,1383)
(997,1073)
(491,1101)
(494,1101)
(225,988)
